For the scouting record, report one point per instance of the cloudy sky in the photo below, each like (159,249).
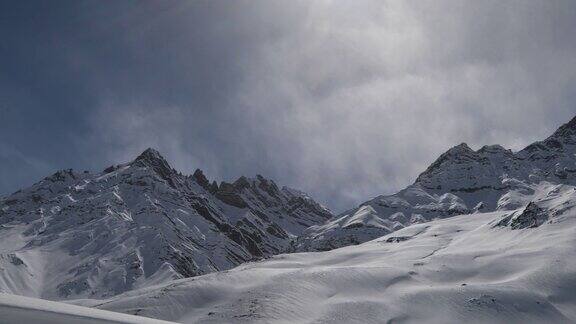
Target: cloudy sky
(343,99)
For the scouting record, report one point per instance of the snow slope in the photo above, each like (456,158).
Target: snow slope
(515,266)
(24,310)
(460,181)
(84,235)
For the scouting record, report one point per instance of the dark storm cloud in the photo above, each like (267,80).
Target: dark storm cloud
(343,99)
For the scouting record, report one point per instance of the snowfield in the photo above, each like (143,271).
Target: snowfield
(24,310)
(476,268)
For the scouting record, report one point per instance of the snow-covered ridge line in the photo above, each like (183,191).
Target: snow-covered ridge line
(84,235)
(460,181)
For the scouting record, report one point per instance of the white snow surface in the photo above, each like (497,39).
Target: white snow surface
(82,235)
(474,268)
(460,181)
(25,310)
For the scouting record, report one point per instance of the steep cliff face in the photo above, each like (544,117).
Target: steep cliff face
(84,235)
(460,181)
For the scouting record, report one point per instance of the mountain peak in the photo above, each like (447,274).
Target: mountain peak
(150,154)
(456,154)
(460,148)
(564,135)
(567,129)
(456,151)
(494,149)
(201,179)
(267,185)
(241,183)
(151,158)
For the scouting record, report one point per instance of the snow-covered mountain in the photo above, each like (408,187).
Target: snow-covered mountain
(508,266)
(460,181)
(85,235)
(486,236)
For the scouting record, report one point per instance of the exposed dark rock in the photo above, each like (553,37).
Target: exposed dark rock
(61,176)
(459,152)
(227,193)
(267,185)
(213,187)
(532,216)
(110,169)
(152,159)
(354,225)
(241,183)
(16,260)
(201,179)
(397,239)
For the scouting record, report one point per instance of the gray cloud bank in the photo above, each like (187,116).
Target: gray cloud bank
(342,99)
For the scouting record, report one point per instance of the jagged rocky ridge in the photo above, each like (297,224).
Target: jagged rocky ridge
(84,235)
(460,181)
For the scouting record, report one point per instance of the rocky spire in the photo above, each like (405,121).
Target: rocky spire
(213,187)
(241,183)
(267,185)
(201,179)
(151,158)
(150,155)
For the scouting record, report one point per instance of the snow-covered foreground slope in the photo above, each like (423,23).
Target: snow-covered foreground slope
(460,181)
(516,266)
(24,310)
